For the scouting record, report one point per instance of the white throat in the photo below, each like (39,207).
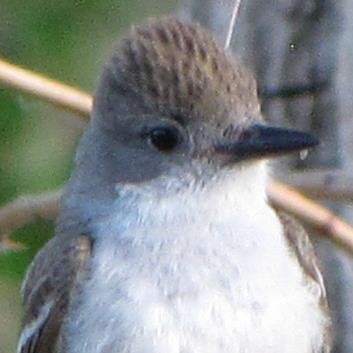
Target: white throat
(205,270)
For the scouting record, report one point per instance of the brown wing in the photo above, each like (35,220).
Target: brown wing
(303,250)
(48,287)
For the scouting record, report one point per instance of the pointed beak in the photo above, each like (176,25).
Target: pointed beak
(261,141)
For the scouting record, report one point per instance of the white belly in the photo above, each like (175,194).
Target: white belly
(221,282)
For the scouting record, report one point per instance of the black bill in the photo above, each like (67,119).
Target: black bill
(261,141)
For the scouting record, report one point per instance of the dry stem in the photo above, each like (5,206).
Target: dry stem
(51,91)
(232,24)
(25,210)
(288,199)
(334,185)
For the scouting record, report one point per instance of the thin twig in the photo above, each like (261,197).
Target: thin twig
(48,90)
(288,199)
(8,245)
(333,185)
(232,24)
(26,210)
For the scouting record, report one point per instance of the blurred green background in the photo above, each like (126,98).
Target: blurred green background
(68,40)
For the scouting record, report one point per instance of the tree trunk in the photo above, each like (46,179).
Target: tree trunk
(307,46)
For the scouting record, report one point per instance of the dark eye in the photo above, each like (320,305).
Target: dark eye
(164,138)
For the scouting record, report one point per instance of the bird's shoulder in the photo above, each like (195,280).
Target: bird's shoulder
(303,250)
(49,285)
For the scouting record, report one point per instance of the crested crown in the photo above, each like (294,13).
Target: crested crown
(180,68)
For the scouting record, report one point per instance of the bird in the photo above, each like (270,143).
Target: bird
(166,241)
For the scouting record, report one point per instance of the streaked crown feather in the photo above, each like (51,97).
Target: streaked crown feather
(179,67)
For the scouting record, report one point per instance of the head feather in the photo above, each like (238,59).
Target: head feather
(179,68)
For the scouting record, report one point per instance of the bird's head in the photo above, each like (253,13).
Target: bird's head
(171,101)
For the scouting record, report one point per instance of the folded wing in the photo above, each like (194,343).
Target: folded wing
(49,286)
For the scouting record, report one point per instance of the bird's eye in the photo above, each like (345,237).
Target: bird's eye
(164,138)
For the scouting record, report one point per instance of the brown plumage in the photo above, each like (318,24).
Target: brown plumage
(180,68)
(302,249)
(51,281)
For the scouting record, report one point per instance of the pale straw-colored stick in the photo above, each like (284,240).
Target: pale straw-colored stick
(232,24)
(288,199)
(25,210)
(56,93)
(330,184)
(279,194)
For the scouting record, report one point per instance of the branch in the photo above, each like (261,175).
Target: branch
(27,209)
(289,200)
(334,185)
(6,245)
(50,91)
(232,24)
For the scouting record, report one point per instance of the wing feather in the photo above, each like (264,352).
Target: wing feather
(304,252)
(47,290)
